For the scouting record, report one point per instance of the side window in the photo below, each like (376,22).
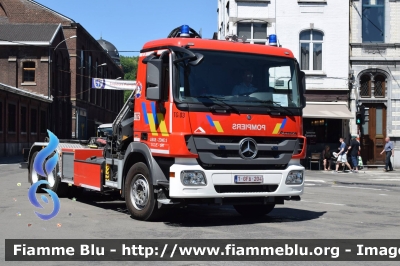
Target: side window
(12,117)
(23,119)
(311,43)
(43,124)
(33,121)
(254,32)
(29,70)
(165,76)
(373,20)
(1,117)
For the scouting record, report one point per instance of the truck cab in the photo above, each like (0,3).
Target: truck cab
(210,122)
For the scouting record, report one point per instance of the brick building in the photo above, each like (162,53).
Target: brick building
(88,59)
(23,119)
(25,67)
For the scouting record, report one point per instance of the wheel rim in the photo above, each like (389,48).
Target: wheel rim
(51,179)
(140,192)
(34,176)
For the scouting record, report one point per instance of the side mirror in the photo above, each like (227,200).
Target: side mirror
(154,79)
(302,82)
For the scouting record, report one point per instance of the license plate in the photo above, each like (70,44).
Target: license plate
(248,179)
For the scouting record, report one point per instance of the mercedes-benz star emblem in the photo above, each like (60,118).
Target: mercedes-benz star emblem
(248,148)
(248,117)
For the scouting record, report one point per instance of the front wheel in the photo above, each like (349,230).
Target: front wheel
(254,211)
(139,194)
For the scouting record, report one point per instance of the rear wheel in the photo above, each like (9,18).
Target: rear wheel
(55,184)
(139,194)
(33,175)
(254,211)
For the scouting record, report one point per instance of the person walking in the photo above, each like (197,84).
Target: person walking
(389,152)
(342,156)
(354,149)
(327,155)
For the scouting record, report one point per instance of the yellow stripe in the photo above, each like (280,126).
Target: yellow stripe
(218,126)
(163,127)
(152,124)
(276,129)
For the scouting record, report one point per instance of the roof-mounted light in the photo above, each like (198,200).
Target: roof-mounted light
(272,40)
(185,31)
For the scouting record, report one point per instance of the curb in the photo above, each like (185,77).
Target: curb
(365,184)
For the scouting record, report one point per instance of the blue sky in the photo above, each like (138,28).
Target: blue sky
(128,24)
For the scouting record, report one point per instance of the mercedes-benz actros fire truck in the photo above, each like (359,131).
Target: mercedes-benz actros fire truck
(210,122)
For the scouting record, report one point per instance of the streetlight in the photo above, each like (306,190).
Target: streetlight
(64,41)
(74,36)
(49,74)
(49,85)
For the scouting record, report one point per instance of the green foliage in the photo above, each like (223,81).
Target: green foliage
(129,65)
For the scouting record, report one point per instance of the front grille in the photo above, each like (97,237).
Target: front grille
(260,154)
(299,147)
(248,166)
(245,188)
(237,139)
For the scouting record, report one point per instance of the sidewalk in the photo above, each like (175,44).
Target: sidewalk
(375,177)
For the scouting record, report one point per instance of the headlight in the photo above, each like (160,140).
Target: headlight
(193,178)
(294,178)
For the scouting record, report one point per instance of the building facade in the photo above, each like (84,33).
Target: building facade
(317,32)
(375,65)
(27,56)
(23,119)
(87,59)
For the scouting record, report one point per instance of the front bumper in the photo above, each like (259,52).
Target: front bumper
(225,178)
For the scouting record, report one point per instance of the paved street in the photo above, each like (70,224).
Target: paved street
(344,205)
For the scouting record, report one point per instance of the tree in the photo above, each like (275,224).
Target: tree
(129,65)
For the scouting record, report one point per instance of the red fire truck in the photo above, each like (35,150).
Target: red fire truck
(211,122)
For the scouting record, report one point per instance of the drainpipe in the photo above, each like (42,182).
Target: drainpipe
(49,79)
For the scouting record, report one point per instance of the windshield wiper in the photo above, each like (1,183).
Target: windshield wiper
(222,101)
(275,103)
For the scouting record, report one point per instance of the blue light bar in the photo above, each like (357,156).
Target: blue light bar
(185,31)
(272,40)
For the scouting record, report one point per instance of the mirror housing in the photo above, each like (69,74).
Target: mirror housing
(153,79)
(302,83)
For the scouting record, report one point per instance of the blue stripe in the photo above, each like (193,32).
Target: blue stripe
(153,108)
(283,123)
(210,121)
(145,113)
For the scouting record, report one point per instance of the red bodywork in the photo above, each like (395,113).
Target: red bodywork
(85,172)
(167,131)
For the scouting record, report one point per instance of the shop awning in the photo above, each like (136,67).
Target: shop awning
(327,110)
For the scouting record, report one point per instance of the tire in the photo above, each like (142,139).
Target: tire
(33,176)
(74,192)
(254,211)
(55,184)
(139,194)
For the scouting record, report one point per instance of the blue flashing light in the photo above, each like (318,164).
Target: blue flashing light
(272,40)
(185,31)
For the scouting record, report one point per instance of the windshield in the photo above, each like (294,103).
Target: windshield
(239,79)
(101,131)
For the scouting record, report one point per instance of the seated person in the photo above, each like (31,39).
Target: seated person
(245,87)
